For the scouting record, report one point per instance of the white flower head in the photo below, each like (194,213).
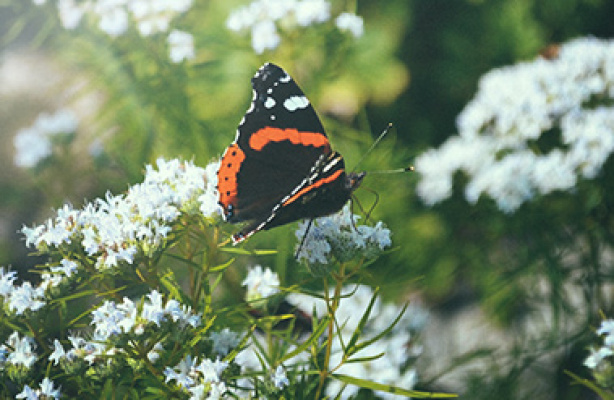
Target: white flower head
(263,18)
(181,46)
(597,356)
(279,378)
(35,143)
(260,283)
(513,108)
(224,341)
(24,350)
(265,36)
(351,23)
(209,205)
(336,236)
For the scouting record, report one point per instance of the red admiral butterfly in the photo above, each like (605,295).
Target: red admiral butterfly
(281,168)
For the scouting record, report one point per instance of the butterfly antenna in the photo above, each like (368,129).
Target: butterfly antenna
(409,168)
(379,139)
(300,246)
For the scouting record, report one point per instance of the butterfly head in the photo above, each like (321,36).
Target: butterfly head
(354,179)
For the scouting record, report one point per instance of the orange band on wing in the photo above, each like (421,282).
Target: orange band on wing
(317,184)
(227,175)
(267,135)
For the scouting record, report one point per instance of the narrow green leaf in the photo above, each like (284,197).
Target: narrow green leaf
(222,267)
(313,338)
(392,389)
(235,250)
(380,335)
(362,323)
(605,395)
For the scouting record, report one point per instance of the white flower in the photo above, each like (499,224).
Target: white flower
(351,23)
(224,341)
(336,236)
(513,108)
(70,13)
(279,378)
(58,352)
(211,370)
(153,310)
(27,393)
(181,46)
(264,36)
(26,297)
(154,353)
(6,281)
(113,17)
(23,350)
(31,148)
(263,17)
(507,181)
(34,144)
(308,12)
(261,283)
(209,205)
(191,375)
(181,372)
(47,391)
(597,356)
(118,228)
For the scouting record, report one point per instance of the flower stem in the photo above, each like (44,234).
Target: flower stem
(332,304)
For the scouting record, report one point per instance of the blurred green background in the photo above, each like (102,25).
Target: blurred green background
(483,273)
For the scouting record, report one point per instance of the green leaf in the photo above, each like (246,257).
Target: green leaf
(380,335)
(361,325)
(392,389)
(605,395)
(235,250)
(313,338)
(222,267)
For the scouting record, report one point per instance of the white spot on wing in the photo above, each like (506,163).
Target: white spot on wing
(270,102)
(295,102)
(285,79)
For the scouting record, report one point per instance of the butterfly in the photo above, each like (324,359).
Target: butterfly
(280,167)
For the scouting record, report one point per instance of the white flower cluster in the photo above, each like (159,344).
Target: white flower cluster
(201,380)
(597,358)
(25,297)
(335,236)
(115,229)
(396,348)
(46,391)
(114,17)
(18,351)
(35,143)
(112,319)
(497,148)
(262,17)
(19,299)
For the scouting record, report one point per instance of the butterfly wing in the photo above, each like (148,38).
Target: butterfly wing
(278,142)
